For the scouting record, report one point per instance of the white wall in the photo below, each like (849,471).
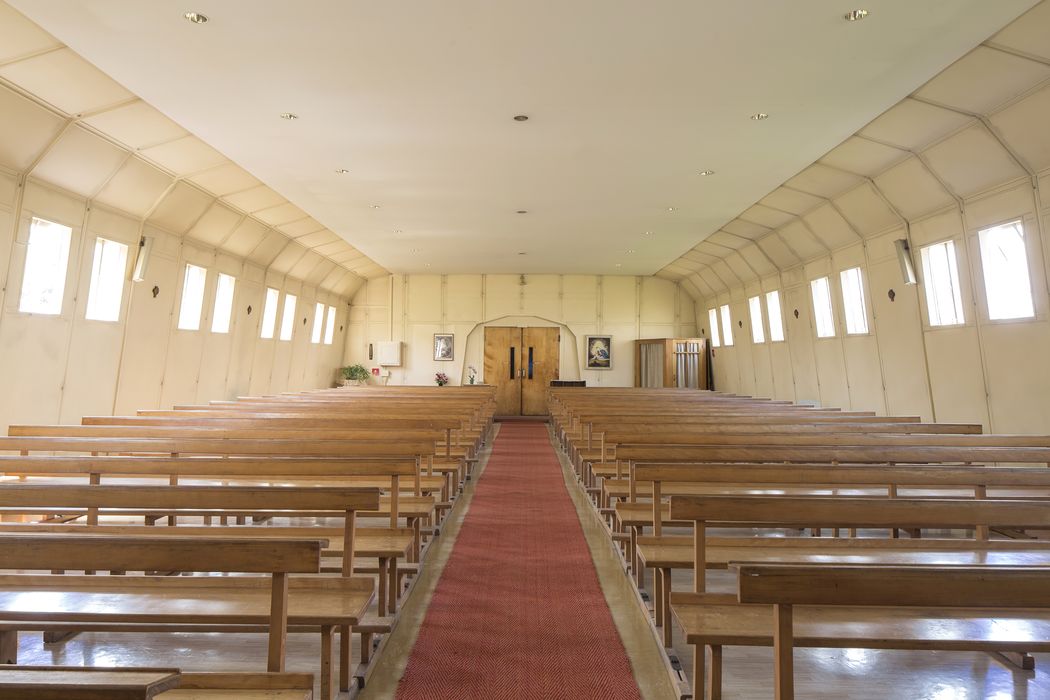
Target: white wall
(996,373)
(59,368)
(411,308)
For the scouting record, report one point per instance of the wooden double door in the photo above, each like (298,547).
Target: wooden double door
(521,362)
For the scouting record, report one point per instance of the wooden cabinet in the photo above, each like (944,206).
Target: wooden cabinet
(671,362)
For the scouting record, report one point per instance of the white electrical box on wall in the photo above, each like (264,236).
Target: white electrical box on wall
(388,353)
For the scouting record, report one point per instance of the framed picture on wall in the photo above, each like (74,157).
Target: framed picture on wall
(444,344)
(599,352)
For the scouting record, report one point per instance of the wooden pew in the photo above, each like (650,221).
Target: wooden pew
(79,683)
(713,620)
(916,594)
(348,596)
(242,686)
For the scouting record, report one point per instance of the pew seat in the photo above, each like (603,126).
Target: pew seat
(716,620)
(76,683)
(242,686)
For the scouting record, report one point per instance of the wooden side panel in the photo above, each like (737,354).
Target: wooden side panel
(542,345)
(499,341)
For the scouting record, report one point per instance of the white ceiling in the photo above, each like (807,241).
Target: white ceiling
(626,105)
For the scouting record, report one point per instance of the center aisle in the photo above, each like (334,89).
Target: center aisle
(518,611)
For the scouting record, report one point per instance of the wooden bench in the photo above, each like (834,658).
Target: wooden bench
(719,622)
(78,683)
(922,600)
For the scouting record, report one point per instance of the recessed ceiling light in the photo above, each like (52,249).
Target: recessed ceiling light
(522,253)
(415,250)
(521,117)
(373,206)
(523,211)
(618,265)
(397,230)
(342,171)
(854,15)
(670,208)
(630,252)
(705,173)
(426,264)
(648,233)
(759,116)
(290,116)
(196,17)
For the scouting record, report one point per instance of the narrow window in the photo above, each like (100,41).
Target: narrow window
(288,317)
(44,281)
(822,314)
(329,331)
(758,331)
(269,317)
(727,325)
(220,318)
(106,289)
(776,316)
(192,298)
(853,301)
(712,318)
(940,277)
(315,334)
(1007,286)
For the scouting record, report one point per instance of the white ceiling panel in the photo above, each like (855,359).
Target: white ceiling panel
(866,211)
(863,156)
(135,188)
(1024,128)
(746,229)
(823,181)
(774,247)
(802,241)
(1029,34)
(766,216)
(281,214)
(830,227)
(27,130)
(20,37)
(66,81)
(972,161)
(216,224)
(454,167)
(269,247)
(184,156)
(254,199)
(80,162)
(248,234)
(912,124)
(912,189)
(792,201)
(136,125)
(984,79)
(180,208)
(225,179)
(301,227)
(757,259)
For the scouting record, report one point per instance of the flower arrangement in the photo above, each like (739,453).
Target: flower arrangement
(441,378)
(472,374)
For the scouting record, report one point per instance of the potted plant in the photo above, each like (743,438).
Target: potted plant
(441,379)
(354,375)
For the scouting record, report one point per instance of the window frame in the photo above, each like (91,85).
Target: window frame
(286,327)
(757,299)
(831,307)
(712,320)
(958,296)
(329,331)
(979,265)
(182,297)
(228,313)
(863,302)
(102,240)
(726,315)
(25,267)
(780,317)
(270,301)
(317,331)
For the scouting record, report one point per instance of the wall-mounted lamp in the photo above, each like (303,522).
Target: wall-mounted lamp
(904,258)
(142,259)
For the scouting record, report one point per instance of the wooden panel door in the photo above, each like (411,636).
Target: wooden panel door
(540,362)
(502,367)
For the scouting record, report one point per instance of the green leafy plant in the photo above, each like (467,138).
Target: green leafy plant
(355,373)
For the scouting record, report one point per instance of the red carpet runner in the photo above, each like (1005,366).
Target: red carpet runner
(518,612)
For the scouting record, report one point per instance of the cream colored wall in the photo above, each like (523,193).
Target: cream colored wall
(59,368)
(412,308)
(996,373)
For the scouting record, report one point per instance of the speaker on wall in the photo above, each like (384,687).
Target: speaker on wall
(904,258)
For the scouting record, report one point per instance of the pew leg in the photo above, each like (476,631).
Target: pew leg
(56,636)
(383,583)
(658,599)
(326,663)
(699,676)
(714,678)
(665,605)
(9,646)
(783,652)
(639,575)
(1021,659)
(345,640)
(366,648)
(395,586)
